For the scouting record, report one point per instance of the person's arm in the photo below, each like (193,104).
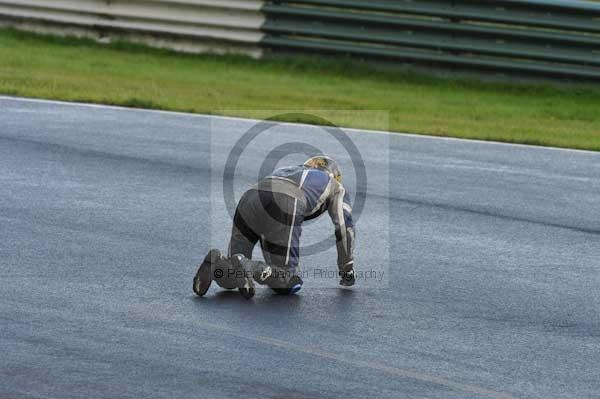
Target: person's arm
(340,211)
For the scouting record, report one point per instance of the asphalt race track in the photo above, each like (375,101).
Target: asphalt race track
(483,261)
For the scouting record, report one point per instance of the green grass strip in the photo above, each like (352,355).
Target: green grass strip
(136,76)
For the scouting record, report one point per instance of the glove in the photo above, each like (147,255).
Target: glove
(347,278)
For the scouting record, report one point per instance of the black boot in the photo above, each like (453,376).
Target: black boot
(293,285)
(243,276)
(347,278)
(280,280)
(203,276)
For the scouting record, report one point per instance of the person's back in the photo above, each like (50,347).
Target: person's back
(315,185)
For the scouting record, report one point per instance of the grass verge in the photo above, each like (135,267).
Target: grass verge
(136,76)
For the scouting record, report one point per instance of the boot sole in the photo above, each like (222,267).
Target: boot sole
(203,279)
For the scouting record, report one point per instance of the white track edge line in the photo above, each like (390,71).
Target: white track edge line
(236,118)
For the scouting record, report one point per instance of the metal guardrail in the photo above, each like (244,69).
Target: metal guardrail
(235,22)
(552,37)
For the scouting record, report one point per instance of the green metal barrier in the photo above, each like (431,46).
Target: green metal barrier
(552,37)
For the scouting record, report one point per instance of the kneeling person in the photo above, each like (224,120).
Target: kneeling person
(272,213)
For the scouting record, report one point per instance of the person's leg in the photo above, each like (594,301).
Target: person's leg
(281,245)
(243,239)
(241,245)
(243,234)
(276,220)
